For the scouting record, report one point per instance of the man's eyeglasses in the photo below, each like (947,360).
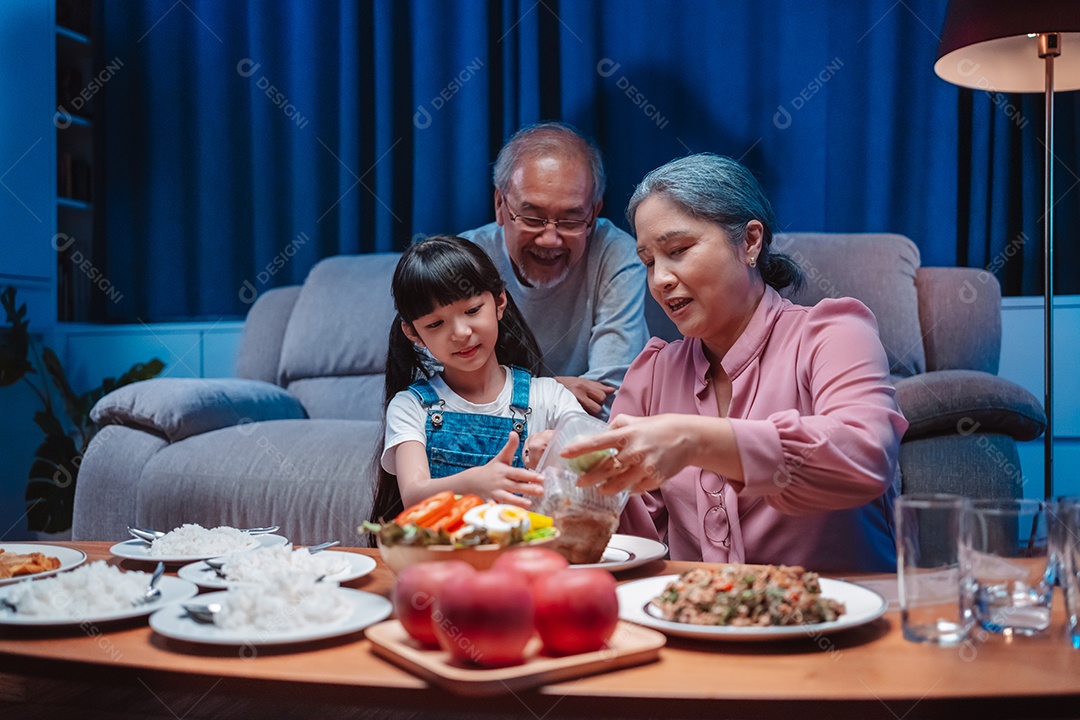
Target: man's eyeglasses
(562,227)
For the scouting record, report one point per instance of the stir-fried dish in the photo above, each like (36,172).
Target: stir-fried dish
(747,595)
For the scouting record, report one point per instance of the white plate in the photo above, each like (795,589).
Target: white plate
(627,551)
(69,558)
(173,622)
(172,590)
(204,576)
(635,604)
(138,550)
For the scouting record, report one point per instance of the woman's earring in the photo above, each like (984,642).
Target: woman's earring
(753,262)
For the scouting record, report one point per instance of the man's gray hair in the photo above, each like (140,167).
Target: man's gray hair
(545,140)
(720,190)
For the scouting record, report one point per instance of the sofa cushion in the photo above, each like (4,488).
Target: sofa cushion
(177,408)
(965,402)
(311,477)
(879,270)
(358,397)
(340,324)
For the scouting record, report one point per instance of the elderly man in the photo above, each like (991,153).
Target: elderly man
(575,276)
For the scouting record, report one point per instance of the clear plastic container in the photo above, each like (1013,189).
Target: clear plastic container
(571,428)
(586,519)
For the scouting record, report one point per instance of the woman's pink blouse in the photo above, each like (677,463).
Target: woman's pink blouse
(818,432)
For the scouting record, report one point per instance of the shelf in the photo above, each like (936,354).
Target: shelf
(73,204)
(78,37)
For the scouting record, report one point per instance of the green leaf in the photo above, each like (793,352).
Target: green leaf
(49,423)
(15,350)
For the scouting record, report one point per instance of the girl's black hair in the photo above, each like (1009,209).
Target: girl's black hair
(437,271)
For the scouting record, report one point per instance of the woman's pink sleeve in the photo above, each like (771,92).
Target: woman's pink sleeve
(644,515)
(844,453)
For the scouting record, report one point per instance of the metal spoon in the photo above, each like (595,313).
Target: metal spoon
(149,536)
(217,564)
(202,613)
(153,592)
(323,546)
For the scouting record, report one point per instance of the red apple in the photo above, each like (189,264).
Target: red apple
(576,610)
(485,618)
(531,562)
(415,593)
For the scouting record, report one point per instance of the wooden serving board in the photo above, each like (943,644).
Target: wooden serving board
(630,644)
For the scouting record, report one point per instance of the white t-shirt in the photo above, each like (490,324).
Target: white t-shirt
(406,417)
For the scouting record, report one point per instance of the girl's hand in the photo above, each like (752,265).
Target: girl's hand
(500,481)
(650,450)
(535,445)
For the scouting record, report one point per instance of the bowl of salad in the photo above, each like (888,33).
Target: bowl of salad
(446,526)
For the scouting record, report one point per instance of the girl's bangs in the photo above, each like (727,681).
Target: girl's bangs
(443,278)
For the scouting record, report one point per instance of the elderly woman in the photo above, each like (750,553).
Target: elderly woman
(770,433)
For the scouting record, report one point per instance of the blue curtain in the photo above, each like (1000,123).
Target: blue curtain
(247,139)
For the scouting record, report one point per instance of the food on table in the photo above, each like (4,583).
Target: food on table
(285,603)
(583,532)
(192,540)
(94,589)
(531,562)
(586,518)
(466,521)
(17,564)
(747,595)
(415,593)
(498,519)
(486,618)
(259,565)
(584,463)
(576,610)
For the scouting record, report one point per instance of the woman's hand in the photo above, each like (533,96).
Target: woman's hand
(500,481)
(650,451)
(535,445)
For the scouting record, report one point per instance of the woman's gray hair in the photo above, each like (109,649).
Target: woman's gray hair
(548,139)
(719,190)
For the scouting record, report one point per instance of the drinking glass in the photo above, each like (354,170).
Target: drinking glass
(1065,554)
(1011,570)
(935,599)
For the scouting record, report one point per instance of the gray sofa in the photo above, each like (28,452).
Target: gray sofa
(292,440)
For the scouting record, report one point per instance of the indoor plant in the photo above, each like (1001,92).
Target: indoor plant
(50,492)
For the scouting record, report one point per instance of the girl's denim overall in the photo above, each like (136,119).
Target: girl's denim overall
(457,441)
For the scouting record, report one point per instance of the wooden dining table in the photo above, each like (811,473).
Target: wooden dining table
(125,669)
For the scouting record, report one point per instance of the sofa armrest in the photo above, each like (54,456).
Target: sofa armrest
(177,408)
(962,402)
(960,317)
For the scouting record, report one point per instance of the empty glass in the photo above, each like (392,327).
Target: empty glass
(1065,556)
(1011,570)
(935,599)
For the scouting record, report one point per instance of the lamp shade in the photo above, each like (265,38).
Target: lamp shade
(985,44)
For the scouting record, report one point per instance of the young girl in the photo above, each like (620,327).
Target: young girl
(462,427)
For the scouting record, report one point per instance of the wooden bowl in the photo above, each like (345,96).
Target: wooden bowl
(480,557)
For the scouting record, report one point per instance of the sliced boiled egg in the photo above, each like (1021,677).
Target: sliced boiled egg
(498,519)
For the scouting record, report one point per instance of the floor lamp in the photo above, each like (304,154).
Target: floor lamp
(1013,46)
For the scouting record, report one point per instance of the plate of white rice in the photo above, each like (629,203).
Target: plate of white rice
(289,609)
(192,542)
(93,593)
(259,566)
